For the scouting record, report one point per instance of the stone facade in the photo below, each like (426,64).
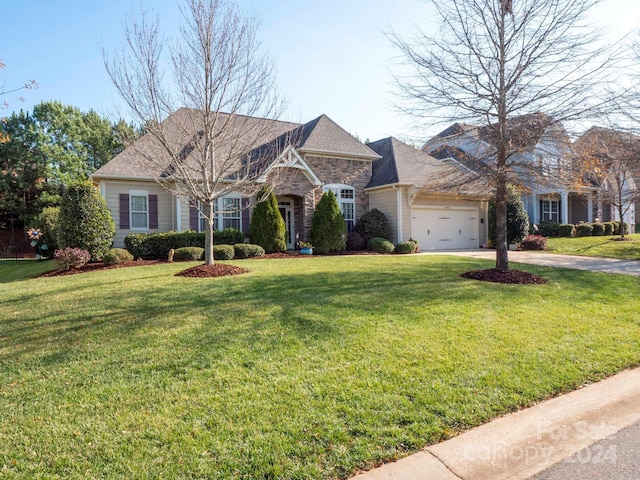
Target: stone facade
(294,184)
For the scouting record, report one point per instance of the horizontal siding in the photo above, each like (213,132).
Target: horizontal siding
(385,200)
(166,205)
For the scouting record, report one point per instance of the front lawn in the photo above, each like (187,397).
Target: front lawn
(605,246)
(303,368)
(24,268)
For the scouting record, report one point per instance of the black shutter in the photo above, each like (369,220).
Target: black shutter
(193,218)
(245,215)
(153,211)
(124,211)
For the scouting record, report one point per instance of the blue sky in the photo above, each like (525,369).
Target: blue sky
(332,55)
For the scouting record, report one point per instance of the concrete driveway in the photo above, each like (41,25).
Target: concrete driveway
(607,265)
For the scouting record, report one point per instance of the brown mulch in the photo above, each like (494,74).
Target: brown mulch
(215,270)
(510,276)
(94,267)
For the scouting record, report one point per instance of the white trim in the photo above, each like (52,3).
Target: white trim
(178,214)
(103,189)
(337,188)
(290,158)
(399,223)
(138,193)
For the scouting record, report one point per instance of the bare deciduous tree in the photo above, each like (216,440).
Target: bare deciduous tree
(493,61)
(610,160)
(215,69)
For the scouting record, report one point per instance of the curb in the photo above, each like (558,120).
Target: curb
(526,442)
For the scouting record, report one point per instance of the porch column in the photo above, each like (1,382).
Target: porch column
(536,213)
(590,208)
(599,206)
(178,215)
(564,207)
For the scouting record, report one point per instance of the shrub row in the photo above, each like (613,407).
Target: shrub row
(220,252)
(552,229)
(157,245)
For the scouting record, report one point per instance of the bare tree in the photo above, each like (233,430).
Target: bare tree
(610,160)
(215,69)
(493,61)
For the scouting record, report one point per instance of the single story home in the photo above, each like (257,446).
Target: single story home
(317,156)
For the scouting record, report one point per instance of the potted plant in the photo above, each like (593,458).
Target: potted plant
(306,248)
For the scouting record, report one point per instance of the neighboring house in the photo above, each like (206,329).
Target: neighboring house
(541,164)
(611,162)
(316,156)
(442,206)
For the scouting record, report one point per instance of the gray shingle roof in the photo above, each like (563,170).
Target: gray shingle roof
(319,136)
(401,163)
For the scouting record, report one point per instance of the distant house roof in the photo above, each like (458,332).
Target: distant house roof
(321,136)
(402,164)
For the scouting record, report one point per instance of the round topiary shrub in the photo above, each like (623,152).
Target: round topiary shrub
(85,221)
(355,241)
(381,245)
(69,258)
(598,229)
(406,247)
(248,250)
(566,230)
(517,218)
(328,230)
(223,252)
(584,230)
(188,254)
(372,224)
(116,256)
(267,227)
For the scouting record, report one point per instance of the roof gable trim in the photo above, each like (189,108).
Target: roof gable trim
(290,158)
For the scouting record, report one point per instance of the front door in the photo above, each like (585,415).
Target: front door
(285,205)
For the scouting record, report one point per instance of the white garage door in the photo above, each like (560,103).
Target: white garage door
(445,228)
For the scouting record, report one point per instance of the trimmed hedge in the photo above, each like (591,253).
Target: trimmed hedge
(407,247)
(609,228)
(248,250)
(157,245)
(188,253)
(381,245)
(584,230)
(223,252)
(549,229)
(267,227)
(566,230)
(534,242)
(598,229)
(616,228)
(116,256)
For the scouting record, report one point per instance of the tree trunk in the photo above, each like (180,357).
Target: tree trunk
(621,215)
(208,232)
(502,251)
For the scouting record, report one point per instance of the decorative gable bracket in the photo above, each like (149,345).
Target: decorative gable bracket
(290,158)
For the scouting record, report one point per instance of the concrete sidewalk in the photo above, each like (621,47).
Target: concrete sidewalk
(527,442)
(607,265)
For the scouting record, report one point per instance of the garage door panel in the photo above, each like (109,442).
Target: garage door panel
(443,229)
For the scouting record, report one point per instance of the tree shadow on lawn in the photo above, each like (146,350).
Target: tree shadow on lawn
(253,309)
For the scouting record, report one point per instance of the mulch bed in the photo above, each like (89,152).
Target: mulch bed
(510,276)
(97,266)
(209,271)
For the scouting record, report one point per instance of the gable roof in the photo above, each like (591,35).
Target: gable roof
(321,136)
(402,164)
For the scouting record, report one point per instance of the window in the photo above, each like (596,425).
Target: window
(230,213)
(346,199)
(139,210)
(550,210)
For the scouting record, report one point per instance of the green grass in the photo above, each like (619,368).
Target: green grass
(23,269)
(303,368)
(597,247)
